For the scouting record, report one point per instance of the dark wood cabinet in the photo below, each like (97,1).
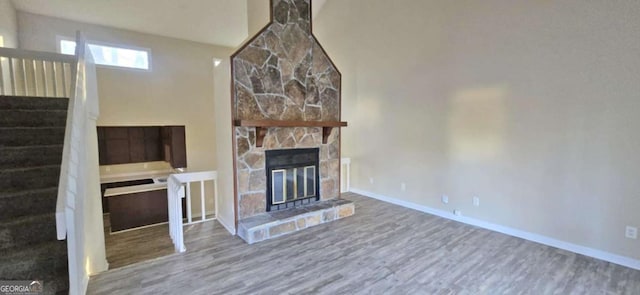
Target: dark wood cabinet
(174,146)
(122,145)
(152,143)
(138,209)
(117,145)
(136,145)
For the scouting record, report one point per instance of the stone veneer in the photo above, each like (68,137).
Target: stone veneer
(284,74)
(274,224)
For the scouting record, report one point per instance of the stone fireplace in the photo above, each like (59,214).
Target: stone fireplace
(286,106)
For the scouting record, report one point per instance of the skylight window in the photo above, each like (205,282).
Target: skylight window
(113,56)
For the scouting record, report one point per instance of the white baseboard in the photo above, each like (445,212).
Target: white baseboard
(227,225)
(579,249)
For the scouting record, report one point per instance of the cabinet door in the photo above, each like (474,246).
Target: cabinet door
(138,209)
(178,147)
(136,144)
(152,144)
(174,146)
(102,152)
(117,145)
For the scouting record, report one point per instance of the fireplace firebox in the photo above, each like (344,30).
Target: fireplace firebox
(292,178)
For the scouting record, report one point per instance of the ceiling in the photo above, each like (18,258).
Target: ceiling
(220,22)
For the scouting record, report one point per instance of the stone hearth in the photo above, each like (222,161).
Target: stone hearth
(274,224)
(283,74)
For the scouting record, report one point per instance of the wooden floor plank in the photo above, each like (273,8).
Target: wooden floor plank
(382,249)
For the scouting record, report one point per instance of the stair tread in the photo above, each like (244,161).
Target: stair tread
(5,128)
(27,178)
(27,219)
(33,102)
(28,168)
(30,156)
(41,261)
(45,248)
(43,146)
(19,193)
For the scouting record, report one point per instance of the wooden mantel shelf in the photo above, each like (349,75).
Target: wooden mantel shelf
(263,125)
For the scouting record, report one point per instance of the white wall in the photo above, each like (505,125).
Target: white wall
(177,91)
(8,25)
(258,13)
(530,105)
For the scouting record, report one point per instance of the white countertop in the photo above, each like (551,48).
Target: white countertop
(129,176)
(120,177)
(112,192)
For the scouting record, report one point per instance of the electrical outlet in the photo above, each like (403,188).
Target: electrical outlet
(631,232)
(403,187)
(146,165)
(371,180)
(445,199)
(476,201)
(457,212)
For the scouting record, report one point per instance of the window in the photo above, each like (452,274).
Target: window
(113,56)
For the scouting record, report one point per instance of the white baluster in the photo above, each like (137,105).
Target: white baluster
(3,91)
(55,79)
(202,200)
(188,196)
(12,77)
(64,80)
(44,78)
(33,75)
(215,197)
(24,77)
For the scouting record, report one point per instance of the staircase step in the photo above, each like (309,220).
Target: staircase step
(27,230)
(30,156)
(45,261)
(31,202)
(19,179)
(33,118)
(33,103)
(29,136)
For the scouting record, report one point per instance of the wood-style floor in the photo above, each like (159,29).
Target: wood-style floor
(138,245)
(382,249)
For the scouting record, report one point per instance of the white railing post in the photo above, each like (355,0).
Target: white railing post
(177,185)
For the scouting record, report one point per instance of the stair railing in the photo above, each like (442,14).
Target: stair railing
(178,188)
(34,73)
(79,175)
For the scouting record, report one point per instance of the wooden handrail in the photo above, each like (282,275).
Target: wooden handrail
(288,123)
(263,125)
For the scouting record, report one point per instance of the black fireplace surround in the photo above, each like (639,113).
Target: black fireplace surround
(292,178)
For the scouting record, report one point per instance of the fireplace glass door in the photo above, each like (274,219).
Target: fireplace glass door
(292,184)
(292,178)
